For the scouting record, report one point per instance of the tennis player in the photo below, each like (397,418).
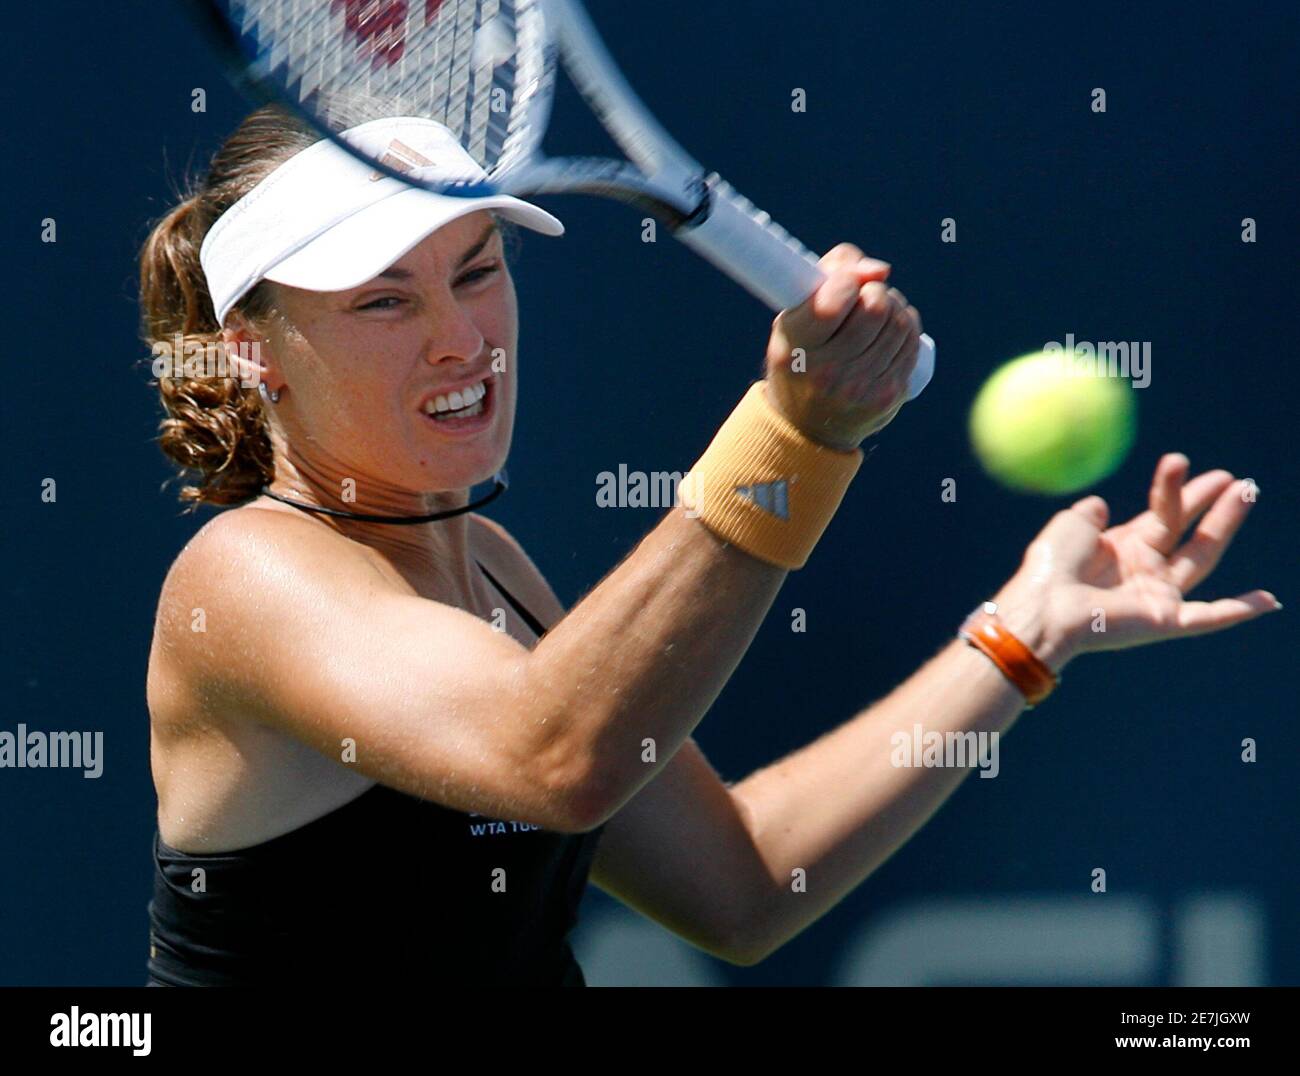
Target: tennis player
(381,745)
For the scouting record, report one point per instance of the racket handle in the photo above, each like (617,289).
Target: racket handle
(768,262)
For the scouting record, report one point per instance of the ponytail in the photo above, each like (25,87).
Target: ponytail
(215,427)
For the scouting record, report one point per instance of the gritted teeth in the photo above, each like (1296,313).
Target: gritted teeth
(456,401)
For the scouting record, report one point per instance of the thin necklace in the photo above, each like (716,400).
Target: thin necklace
(500,485)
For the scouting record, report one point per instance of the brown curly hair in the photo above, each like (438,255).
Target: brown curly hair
(215,427)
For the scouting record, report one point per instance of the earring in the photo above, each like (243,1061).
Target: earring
(273,396)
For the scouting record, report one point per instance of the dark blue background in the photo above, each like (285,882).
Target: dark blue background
(1119,226)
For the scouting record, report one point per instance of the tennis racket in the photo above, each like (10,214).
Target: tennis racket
(486,70)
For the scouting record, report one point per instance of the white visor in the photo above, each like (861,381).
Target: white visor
(326,221)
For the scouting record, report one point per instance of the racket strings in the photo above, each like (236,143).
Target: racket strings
(480,67)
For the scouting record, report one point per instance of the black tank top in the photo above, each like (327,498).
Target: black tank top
(387,888)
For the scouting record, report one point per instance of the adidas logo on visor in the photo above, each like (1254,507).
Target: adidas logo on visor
(400,158)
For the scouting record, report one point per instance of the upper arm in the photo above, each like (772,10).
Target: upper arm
(310,638)
(681,852)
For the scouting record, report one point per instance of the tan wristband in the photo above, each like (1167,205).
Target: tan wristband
(986,632)
(764,487)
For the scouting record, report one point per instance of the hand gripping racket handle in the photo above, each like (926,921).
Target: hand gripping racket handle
(770,263)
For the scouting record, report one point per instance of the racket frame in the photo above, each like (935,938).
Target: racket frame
(700,209)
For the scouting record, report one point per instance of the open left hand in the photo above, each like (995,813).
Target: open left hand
(1137,573)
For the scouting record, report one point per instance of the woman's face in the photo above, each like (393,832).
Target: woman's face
(361,365)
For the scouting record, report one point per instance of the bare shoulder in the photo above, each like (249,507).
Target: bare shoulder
(506,558)
(240,536)
(252,541)
(233,575)
(237,542)
(225,777)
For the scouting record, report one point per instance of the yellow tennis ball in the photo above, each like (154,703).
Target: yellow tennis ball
(1047,423)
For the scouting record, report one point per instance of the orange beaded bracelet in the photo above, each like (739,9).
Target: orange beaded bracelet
(984,630)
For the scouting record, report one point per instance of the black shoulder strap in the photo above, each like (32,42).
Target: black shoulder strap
(538,627)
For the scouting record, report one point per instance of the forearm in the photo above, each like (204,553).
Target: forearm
(647,651)
(841,806)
